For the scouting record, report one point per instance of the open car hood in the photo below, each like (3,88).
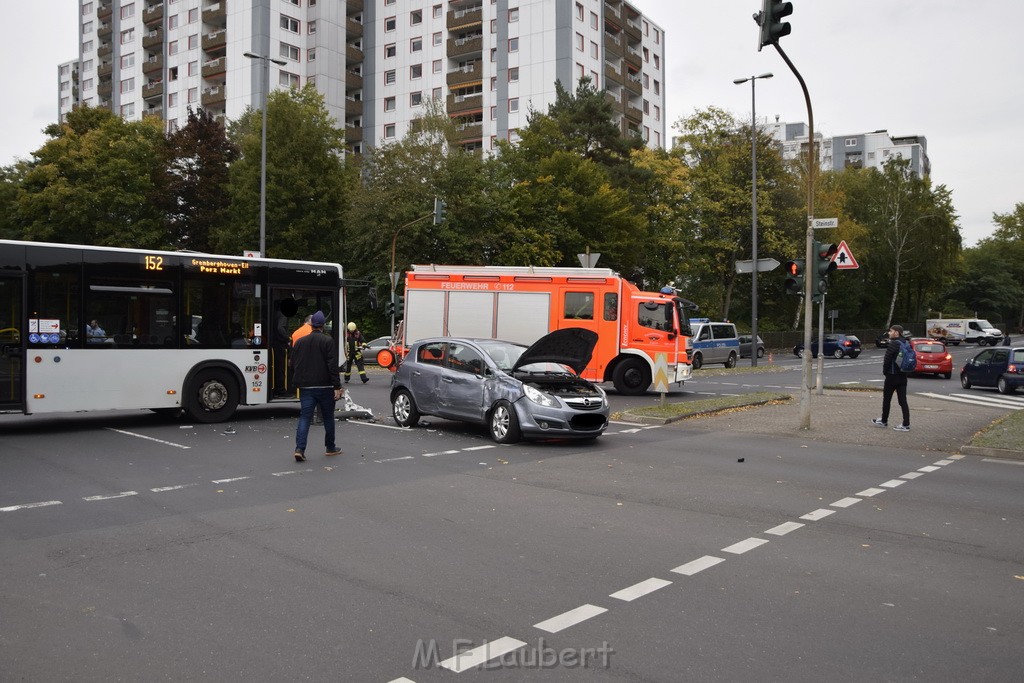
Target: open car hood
(572,346)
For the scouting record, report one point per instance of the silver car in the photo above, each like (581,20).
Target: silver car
(516,391)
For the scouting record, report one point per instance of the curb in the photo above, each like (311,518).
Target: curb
(647,419)
(992,452)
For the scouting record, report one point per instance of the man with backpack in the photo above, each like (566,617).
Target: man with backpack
(896,352)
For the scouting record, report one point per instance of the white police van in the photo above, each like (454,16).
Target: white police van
(712,342)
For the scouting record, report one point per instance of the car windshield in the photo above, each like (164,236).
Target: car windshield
(504,354)
(985,325)
(852,338)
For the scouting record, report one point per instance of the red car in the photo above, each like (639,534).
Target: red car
(932,358)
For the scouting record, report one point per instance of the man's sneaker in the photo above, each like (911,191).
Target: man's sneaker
(901,428)
(300,456)
(336,451)
(878,422)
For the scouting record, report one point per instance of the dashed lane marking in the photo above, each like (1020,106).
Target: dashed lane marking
(868,493)
(287,472)
(943,462)
(480,448)
(481,655)
(744,546)
(893,483)
(785,528)
(911,475)
(27,506)
(820,513)
(176,487)
(149,438)
(638,590)
(928,468)
(698,565)
(570,618)
(845,502)
(123,494)
(404,457)
(431,455)
(228,480)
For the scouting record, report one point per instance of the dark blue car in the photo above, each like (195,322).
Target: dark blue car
(836,345)
(1001,367)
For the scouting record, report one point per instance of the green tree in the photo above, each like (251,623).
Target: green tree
(11,178)
(95,182)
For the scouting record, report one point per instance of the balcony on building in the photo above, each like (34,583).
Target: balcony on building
(104,50)
(612,74)
(634,113)
(213,95)
(469,72)
(213,67)
(632,23)
(154,89)
(353,7)
(461,104)
(353,133)
(153,13)
(613,10)
(633,82)
(216,14)
(353,53)
(634,57)
(104,8)
(104,30)
(462,46)
(153,112)
(215,40)
(104,69)
(469,132)
(353,80)
(353,28)
(353,107)
(153,63)
(465,16)
(612,46)
(105,90)
(153,37)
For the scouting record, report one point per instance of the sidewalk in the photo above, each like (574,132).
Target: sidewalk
(845,417)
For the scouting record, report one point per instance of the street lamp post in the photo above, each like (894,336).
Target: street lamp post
(266,59)
(753,214)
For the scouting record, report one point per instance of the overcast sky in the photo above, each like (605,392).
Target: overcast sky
(950,70)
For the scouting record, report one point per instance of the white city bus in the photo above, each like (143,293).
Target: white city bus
(175,331)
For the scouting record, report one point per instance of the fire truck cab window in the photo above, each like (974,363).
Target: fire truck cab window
(657,316)
(579,306)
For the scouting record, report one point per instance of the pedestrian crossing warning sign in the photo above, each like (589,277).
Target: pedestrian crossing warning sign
(844,258)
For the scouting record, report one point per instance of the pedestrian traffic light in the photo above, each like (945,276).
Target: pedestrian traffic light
(794,283)
(770,20)
(823,265)
(440,210)
(400,307)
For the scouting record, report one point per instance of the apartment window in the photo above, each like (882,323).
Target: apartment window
(415,99)
(416,17)
(193,41)
(657,113)
(416,71)
(389,2)
(389,77)
(579,11)
(390,50)
(297,3)
(193,95)
(647,55)
(128,85)
(287,79)
(513,135)
(289,24)
(389,131)
(436,66)
(311,81)
(193,15)
(87,84)
(593,50)
(593,80)
(657,138)
(513,15)
(64,101)
(437,11)
(647,81)
(87,65)
(193,68)
(172,21)
(389,104)
(289,52)
(65,85)
(172,47)
(128,60)
(494,54)
(65,69)
(494,83)
(647,133)
(87,46)
(647,29)
(437,39)
(851,142)
(657,62)
(579,42)
(128,110)
(513,104)
(311,28)
(311,54)
(390,24)
(593,21)
(127,36)
(513,74)
(416,44)
(172,73)
(657,87)
(513,45)
(647,107)
(436,93)
(172,125)
(172,99)
(86,27)
(128,11)
(657,37)
(86,8)
(581,70)
(494,25)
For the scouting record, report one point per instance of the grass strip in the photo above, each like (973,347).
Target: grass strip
(705,406)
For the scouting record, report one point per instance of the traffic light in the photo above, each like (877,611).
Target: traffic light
(770,19)
(389,309)
(823,265)
(794,283)
(440,209)
(400,308)
(372,293)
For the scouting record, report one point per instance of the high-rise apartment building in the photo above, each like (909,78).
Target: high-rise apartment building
(377,62)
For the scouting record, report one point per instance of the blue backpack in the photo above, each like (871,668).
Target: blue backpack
(906,358)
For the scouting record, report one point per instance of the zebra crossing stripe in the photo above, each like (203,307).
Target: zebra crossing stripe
(976,401)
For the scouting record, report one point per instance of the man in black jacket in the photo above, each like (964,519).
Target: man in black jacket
(314,365)
(895,381)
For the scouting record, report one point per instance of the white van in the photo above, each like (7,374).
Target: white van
(712,342)
(956,330)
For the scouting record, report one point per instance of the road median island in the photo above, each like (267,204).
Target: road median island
(1004,438)
(672,412)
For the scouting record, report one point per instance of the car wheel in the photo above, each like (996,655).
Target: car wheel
(838,353)
(947,375)
(760,353)
(698,361)
(1004,387)
(631,377)
(965,381)
(798,351)
(855,354)
(212,396)
(504,423)
(403,408)
(731,361)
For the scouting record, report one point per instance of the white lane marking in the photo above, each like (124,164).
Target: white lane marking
(404,457)
(479,655)
(403,679)
(817,514)
(845,502)
(570,618)
(26,506)
(942,463)
(867,493)
(928,468)
(785,528)
(988,403)
(161,489)
(123,494)
(287,472)
(149,438)
(638,590)
(893,483)
(1003,461)
(629,431)
(957,457)
(431,455)
(226,481)
(479,448)
(744,546)
(698,565)
(911,475)
(376,424)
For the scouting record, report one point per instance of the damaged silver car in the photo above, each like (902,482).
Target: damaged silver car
(516,391)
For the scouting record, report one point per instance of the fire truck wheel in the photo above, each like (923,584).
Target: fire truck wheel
(631,377)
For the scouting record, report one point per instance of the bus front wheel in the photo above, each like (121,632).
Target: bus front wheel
(631,377)
(212,396)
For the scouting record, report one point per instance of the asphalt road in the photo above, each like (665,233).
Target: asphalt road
(136,548)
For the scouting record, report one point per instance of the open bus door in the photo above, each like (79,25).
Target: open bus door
(12,344)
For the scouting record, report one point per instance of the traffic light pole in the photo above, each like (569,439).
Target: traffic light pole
(393,275)
(821,346)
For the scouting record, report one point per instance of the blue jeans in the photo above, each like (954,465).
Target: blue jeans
(308,400)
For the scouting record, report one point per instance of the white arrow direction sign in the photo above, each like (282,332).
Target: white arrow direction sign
(763,265)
